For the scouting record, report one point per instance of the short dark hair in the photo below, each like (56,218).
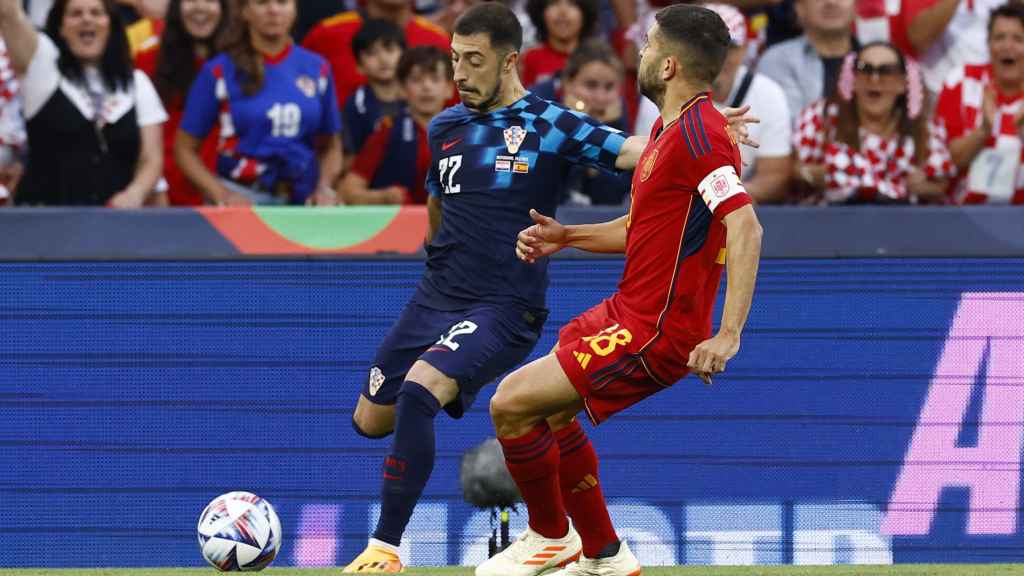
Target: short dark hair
(535,9)
(425,58)
(592,50)
(1008,10)
(375,30)
(494,19)
(700,36)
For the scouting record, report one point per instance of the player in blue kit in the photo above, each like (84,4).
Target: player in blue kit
(478,311)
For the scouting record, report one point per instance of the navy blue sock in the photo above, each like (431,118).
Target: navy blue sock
(407,468)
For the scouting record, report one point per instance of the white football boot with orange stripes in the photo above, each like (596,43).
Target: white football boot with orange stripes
(532,554)
(622,564)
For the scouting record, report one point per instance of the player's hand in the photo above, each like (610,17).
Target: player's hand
(711,355)
(737,128)
(544,238)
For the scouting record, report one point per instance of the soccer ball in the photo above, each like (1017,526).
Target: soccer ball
(239,532)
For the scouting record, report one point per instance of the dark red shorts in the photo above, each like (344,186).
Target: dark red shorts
(601,356)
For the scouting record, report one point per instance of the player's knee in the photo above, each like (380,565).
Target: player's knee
(504,408)
(367,426)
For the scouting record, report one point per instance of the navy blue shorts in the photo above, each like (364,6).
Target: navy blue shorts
(472,346)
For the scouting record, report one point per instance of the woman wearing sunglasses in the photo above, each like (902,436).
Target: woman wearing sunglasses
(872,143)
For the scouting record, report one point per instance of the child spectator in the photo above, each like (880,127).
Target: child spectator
(378,45)
(981,109)
(332,38)
(392,167)
(93,121)
(191,31)
(561,26)
(872,143)
(279,121)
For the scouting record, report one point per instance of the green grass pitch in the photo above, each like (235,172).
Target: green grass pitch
(902,570)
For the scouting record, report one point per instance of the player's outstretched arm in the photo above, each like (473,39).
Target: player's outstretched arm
(630,152)
(743,253)
(738,118)
(548,236)
(737,128)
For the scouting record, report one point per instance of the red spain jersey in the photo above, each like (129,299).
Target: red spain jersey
(686,182)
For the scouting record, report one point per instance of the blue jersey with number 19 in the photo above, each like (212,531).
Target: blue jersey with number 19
(490,169)
(270,137)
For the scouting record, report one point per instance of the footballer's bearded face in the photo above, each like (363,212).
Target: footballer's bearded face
(478,70)
(652,64)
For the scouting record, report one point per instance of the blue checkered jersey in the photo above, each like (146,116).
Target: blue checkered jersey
(489,170)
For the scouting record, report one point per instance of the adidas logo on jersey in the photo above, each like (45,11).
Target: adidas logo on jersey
(583,358)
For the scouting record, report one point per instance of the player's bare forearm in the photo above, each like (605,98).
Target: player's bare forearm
(630,152)
(743,254)
(604,238)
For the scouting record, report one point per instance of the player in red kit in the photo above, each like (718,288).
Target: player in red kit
(690,216)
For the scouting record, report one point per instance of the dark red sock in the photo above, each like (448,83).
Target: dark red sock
(532,460)
(581,492)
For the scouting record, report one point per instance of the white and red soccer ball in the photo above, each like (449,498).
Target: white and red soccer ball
(239,532)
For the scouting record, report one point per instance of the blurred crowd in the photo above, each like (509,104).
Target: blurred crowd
(132,103)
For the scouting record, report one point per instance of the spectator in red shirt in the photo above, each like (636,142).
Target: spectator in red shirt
(392,167)
(561,25)
(332,38)
(871,143)
(191,30)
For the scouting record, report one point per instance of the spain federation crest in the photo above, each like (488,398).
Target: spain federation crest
(514,137)
(648,167)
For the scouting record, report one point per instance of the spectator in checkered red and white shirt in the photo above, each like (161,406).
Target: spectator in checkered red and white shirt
(982,110)
(872,142)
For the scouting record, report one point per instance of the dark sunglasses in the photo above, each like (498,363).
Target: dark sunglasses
(882,70)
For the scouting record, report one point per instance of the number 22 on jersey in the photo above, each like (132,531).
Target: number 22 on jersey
(447,167)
